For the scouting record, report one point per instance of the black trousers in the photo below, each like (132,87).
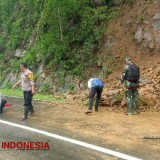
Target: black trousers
(28,103)
(95,91)
(3,102)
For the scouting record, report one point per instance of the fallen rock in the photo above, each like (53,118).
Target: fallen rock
(157,106)
(113,92)
(124,102)
(105,103)
(114,102)
(68,97)
(83,97)
(138,35)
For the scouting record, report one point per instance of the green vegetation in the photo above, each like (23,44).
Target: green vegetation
(118,97)
(19,93)
(62,34)
(140,18)
(142,101)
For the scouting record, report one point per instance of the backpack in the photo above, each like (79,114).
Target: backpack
(133,73)
(97,83)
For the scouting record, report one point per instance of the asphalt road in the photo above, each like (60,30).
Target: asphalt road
(59,150)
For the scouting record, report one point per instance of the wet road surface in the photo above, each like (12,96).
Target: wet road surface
(59,150)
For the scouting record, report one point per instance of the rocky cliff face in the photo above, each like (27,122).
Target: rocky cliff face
(148,33)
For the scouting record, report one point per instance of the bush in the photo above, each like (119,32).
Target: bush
(64,35)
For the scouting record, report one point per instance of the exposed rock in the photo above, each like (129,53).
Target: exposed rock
(81,84)
(114,102)
(70,97)
(138,35)
(105,103)
(148,40)
(67,81)
(148,35)
(157,39)
(68,93)
(124,102)
(156,16)
(145,81)
(19,53)
(100,63)
(40,69)
(157,106)
(11,78)
(109,44)
(83,97)
(113,92)
(156,19)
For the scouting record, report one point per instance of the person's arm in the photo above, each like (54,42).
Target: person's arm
(33,90)
(31,78)
(124,74)
(16,84)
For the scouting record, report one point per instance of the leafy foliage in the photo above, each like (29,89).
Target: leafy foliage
(63,34)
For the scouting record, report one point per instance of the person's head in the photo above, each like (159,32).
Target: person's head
(23,67)
(128,60)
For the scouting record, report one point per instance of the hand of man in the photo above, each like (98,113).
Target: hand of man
(33,92)
(14,86)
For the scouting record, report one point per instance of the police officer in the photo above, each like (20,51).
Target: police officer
(96,87)
(130,79)
(28,87)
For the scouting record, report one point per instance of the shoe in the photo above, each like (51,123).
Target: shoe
(1,110)
(31,113)
(96,110)
(129,114)
(24,119)
(136,112)
(88,112)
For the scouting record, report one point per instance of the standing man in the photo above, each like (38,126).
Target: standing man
(28,87)
(130,79)
(96,87)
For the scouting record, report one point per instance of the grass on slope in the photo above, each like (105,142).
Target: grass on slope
(19,93)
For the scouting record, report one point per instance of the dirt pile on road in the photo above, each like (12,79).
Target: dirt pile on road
(113,96)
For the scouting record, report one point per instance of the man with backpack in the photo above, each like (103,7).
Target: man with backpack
(96,87)
(130,78)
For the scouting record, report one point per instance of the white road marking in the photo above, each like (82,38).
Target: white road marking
(80,143)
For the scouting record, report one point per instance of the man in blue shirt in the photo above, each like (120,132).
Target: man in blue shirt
(96,87)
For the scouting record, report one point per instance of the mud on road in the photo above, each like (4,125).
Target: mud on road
(104,128)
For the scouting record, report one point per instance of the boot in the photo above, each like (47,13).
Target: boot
(1,109)
(129,107)
(135,110)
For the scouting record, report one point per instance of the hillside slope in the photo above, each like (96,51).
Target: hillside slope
(82,39)
(136,34)
(58,39)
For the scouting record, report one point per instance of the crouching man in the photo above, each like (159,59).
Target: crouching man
(96,87)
